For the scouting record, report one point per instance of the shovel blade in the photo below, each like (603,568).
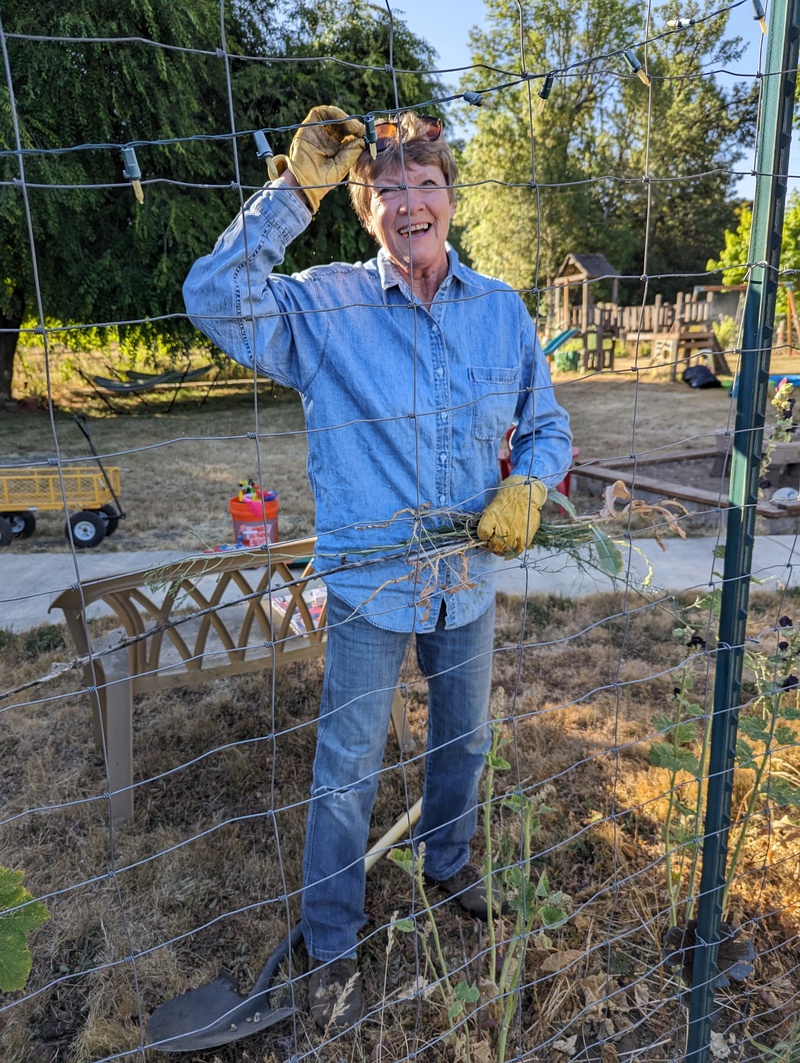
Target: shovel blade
(211,1015)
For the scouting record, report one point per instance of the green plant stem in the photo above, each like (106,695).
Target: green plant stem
(442,971)
(440,975)
(487,833)
(515,955)
(673,891)
(760,771)
(699,816)
(673,884)
(510,1002)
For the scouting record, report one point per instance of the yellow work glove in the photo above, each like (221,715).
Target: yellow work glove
(323,155)
(512,518)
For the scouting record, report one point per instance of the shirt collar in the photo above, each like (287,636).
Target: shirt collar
(390,278)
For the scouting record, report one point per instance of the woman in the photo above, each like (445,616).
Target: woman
(411,367)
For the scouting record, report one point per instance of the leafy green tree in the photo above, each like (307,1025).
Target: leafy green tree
(152,76)
(522,232)
(735,254)
(688,133)
(576,182)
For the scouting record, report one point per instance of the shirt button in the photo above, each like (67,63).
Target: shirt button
(442,458)
(442,499)
(443,415)
(440,371)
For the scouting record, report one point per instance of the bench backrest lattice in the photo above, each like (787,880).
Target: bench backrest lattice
(187,622)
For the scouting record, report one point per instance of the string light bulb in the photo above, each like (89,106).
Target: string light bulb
(680,23)
(371,135)
(264,151)
(758,7)
(546,89)
(635,66)
(477,99)
(133,173)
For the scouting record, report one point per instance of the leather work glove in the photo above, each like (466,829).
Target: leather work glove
(512,518)
(322,154)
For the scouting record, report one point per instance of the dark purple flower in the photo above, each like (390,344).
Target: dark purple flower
(783,645)
(696,640)
(790,682)
(786,621)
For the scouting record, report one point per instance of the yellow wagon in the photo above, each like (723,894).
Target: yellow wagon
(92,492)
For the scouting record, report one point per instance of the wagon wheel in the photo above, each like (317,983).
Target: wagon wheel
(22,524)
(110,516)
(6,534)
(85,529)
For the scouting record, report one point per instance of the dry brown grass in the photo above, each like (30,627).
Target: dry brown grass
(212,863)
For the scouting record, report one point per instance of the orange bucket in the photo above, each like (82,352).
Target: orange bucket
(255,521)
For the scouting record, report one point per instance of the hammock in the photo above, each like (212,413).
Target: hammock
(136,383)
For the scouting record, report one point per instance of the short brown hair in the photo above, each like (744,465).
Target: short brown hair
(416,148)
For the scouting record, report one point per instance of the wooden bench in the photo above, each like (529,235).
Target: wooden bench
(204,617)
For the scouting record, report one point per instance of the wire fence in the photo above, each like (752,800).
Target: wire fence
(644,710)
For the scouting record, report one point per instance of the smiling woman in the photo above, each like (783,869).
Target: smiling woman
(411,223)
(392,361)
(405,199)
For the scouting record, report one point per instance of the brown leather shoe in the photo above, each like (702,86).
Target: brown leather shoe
(468,887)
(335,997)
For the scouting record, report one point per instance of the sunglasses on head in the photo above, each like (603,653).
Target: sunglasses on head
(388,132)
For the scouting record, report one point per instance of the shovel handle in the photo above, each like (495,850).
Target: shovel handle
(396,831)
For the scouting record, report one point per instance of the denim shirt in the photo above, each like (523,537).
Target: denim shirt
(405,405)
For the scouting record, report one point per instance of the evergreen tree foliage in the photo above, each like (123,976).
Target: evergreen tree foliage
(154,73)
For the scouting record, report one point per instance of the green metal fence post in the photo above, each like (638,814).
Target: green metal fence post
(772,167)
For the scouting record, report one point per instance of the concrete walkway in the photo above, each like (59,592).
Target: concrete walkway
(685,564)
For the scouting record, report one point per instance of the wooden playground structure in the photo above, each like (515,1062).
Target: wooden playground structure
(674,333)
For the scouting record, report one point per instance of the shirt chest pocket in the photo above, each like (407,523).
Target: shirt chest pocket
(494,399)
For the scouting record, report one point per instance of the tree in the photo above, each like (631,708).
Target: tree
(735,254)
(576,183)
(522,232)
(99,256)
(152,77)
(691,131)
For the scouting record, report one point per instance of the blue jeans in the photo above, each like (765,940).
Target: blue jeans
(362,667)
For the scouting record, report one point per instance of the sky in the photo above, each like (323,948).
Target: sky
(445,24)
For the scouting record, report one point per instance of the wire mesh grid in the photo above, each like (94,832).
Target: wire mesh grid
(592,805)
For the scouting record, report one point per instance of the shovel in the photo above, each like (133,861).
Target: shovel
(216,1014)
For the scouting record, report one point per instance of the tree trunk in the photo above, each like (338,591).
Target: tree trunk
(9,334)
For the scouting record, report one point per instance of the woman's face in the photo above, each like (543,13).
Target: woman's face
(411,221)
